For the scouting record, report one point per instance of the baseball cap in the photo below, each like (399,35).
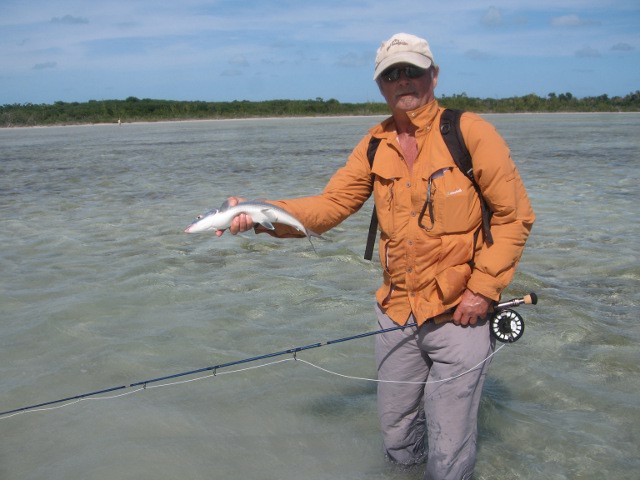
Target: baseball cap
(403,48)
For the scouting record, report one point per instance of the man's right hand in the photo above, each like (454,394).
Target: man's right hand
(241,223)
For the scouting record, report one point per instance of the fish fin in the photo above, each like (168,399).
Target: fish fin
(312,245)
(267,224)
(269,213)
(311,233)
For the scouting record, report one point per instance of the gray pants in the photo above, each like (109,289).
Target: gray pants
(448,410)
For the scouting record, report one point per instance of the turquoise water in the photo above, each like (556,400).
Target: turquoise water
(100,287)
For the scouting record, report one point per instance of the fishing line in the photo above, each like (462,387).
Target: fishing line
(211,375)
(22,411)
(428,382)
(506,326)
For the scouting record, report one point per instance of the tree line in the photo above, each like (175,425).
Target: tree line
(134,109)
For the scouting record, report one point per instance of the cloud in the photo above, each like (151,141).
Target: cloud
(587,52)
(239,61)
(273,62)
(153,40)
(70,20)
(45,65)
(354,60)
(475,54)
(493,18)
(571,21)
(622,47)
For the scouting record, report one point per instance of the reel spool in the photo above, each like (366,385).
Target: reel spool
(507,326)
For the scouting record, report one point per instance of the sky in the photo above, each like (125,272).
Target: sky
(225,50)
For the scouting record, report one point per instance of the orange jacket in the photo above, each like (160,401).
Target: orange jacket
(426,268)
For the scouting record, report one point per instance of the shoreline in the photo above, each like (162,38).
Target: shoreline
(187,120)
(290,117)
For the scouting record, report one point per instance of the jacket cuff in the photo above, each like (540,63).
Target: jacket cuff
(485,284)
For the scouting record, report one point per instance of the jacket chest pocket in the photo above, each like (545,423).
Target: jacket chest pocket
(455,205)
(384,194)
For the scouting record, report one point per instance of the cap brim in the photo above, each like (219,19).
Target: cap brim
(413,58)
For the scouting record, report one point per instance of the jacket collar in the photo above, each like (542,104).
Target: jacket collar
(421,117)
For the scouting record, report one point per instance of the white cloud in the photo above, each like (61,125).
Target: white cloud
(70,20)
(352,59)
(588,52)
(572,20)
(239,61)
(492,18)
(478,55)
(567,20)
(45,65)
(622,47)
(231,73)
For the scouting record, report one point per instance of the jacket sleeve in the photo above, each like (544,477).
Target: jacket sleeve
(347,190)
(505,193)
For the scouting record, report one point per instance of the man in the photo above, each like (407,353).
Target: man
(434,259)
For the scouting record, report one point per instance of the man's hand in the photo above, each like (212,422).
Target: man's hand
(472,307)
(241,223)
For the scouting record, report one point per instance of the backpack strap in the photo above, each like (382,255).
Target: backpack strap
(373,226)
(452,136)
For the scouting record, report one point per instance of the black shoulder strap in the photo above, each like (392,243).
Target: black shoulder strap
(450,121)
(373,226)
(452,136)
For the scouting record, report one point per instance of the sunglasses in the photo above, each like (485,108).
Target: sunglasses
(393,74)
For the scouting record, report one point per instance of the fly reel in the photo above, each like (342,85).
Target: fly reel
(507,326)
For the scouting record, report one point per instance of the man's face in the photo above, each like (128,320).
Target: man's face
(405,93)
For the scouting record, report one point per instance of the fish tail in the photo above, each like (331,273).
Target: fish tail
(311,233)
(312,246)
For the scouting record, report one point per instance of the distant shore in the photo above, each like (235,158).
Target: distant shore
(134,110)
(186,120)
(212,120)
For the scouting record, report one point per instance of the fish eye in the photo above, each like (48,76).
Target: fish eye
(206,214)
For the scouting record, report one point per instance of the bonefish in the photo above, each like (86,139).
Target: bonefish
(261,213)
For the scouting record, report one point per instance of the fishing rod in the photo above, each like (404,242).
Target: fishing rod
(506,326)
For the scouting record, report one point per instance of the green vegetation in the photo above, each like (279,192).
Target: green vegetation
(136,110)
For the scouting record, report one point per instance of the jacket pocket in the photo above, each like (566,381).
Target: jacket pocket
(456,208)
(384,195)
(452,282)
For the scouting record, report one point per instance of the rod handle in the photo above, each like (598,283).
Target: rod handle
(530,299)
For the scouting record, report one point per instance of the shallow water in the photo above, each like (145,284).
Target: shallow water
(101,288)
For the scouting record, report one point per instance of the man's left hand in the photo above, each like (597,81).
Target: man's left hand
(472,307)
